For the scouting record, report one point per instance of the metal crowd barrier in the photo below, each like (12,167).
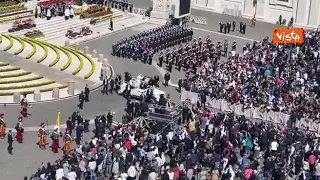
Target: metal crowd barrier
(139,11)
(234,11)
(255,113)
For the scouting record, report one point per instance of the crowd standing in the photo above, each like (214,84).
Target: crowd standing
(274,77)
(54,10)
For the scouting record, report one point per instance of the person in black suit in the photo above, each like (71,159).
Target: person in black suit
(10,141)
(105,85)
(86,93)
(111,85)
(111,24)
(81,100)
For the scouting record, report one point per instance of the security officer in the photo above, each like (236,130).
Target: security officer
(166,79)
(244,28)
(228,27)
(233,26)
(225,28)
(114,49)
(241,27)
(160,59)
(170,65)
(111,24)
(221,26)
(81,100)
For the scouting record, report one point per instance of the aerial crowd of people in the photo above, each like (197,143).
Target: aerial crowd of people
(212,145)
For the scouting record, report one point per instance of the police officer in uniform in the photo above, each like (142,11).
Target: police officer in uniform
(160,59)
(233,26)
(228,27)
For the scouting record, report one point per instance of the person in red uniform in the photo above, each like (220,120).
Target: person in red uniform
(42,134)
(19,129)
(24,106)
(55,140)
(2,126)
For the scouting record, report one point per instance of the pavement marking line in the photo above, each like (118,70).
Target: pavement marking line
(229,35)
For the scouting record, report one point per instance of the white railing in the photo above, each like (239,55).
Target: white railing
(255,113)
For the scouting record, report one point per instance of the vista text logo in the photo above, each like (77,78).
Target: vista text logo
(287,36)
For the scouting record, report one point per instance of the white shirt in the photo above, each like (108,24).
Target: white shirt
(72,175)
(59,174)
(153,176)
(92,165)
(274,145)
(132,172)
(171,175)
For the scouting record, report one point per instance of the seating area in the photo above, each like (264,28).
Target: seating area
(62,58)
(11,10)
(13,79)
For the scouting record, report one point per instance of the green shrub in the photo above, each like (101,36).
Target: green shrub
(15,75)
(76,53)
(4,64)
(10,42)
(9,69)
(8,81)
(93,65)
(34,48)
(56,60)
(0,38)
(69,58)
(22,45)
(44,83)
(32,91)
(44,47)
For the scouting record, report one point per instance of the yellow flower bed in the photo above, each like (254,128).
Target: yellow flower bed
(9,46)
(56,60)
(11,18)
(31,92)
(73,51)
(44,47)
(4,64)
(10,68)
(9,81)
(68,56)
(93,65)
(34,48)
(22,45)
(14,75)
(12,7)
(44,83)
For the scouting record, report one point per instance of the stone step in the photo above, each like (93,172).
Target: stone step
(78,28)
(53,85)
(12,73)
(22,78)
(32,82)
(47,27)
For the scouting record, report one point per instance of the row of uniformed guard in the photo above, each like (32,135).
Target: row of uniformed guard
(191,56)
(143,46)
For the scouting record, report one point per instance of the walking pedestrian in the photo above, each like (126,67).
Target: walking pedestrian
(86,93)
(10,141)
(81,100)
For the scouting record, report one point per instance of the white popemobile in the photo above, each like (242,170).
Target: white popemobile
(139,86)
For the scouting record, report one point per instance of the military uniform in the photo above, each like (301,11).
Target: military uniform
(67,143)
(2,127)
(42,134)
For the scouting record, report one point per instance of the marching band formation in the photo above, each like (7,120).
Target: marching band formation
(143,46)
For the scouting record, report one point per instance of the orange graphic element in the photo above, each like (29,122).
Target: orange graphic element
(288,36)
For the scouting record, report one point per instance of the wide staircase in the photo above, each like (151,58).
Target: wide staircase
(58,26)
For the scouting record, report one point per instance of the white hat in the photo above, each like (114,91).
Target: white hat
(56,127)
(134,143)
